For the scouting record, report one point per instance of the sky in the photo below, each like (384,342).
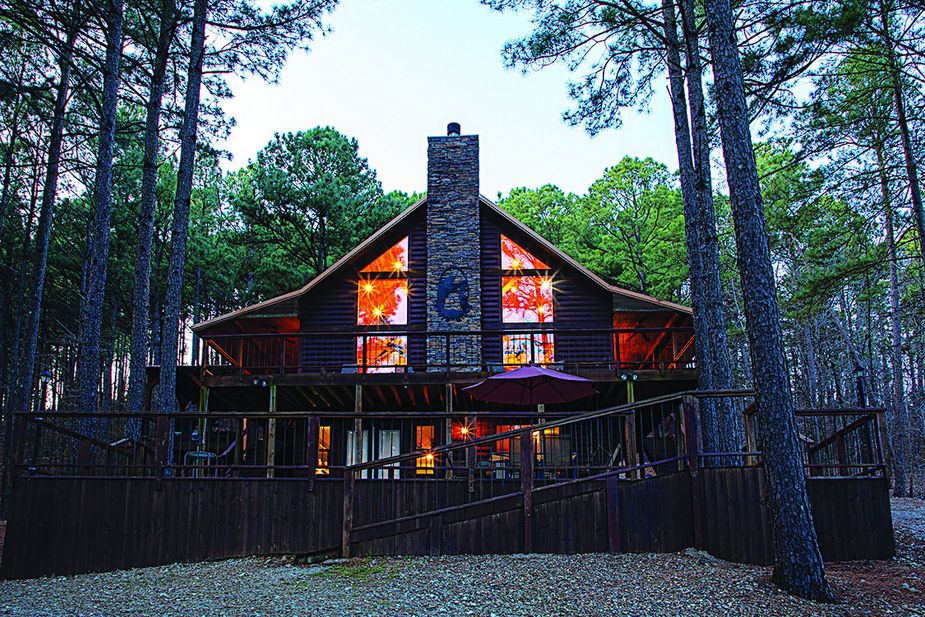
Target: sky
(393,72)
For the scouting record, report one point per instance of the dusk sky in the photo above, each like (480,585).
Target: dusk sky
(395,71)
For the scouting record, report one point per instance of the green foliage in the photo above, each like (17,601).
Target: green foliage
(632,226)
(548,211)
(628,228)
(313,197)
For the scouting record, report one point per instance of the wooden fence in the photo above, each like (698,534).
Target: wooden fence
(75,525)
(635,482)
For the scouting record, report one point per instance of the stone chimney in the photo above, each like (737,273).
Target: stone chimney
(453,248)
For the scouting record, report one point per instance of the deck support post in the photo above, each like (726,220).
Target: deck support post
(203,423)
(526,487)
(311,449)
(448,435)
(349,484)
(358,425)
(632,456)
(613,513)
(271,435)
(690,409)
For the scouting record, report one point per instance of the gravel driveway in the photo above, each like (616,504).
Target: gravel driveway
(687,583)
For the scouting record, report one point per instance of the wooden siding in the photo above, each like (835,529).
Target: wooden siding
(332,306)
(74,525)
(490,243)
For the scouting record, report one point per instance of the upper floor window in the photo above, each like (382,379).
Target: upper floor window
(526,286)
(382,300)
(382,289)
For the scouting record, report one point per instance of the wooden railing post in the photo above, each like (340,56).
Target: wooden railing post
(311,449)
(349,483)
(271,435)
(161,444)
(689,407)
(526,486)
(883,444)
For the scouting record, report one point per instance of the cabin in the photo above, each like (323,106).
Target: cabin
(450,291)
(332,420)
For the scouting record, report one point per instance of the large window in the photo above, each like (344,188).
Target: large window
(382,302)
(526,299)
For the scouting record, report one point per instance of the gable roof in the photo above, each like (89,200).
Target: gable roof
(406,214)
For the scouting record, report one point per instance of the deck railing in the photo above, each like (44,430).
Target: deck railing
(406,350)
(635,439)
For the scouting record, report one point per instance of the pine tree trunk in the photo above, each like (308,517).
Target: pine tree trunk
(91,308)
(168,382)
(711,279)
(896,348)
(694,241)
(912,174)
(142,292)
(25,379)
(798,565)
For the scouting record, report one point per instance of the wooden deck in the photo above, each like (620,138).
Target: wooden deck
(636,482)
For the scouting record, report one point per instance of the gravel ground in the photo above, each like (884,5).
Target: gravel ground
(687,583)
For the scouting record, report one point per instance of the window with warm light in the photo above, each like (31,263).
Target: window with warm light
(424,440)
(526,298)
(324,451)
(382,301)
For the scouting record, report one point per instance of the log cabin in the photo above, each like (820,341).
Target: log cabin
(332,420)
(450,291)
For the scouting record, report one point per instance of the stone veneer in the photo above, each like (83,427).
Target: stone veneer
(453,251)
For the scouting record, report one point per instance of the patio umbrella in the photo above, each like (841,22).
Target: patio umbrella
(531,385)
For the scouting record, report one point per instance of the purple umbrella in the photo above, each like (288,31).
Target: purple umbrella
(532,385)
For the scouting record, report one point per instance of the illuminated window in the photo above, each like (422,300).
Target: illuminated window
(383,353)
(526,299)
(526,287)
(516,257)
(393,260)
(424,440)
(520,349)
(324,451)
(382,302)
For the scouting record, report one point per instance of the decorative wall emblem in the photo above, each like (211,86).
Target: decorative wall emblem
(453,294)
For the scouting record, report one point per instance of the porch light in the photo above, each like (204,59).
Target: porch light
(546,285)
(398,265)
(515,264)
(368,288)
(377,312)
(429,457)
(464,431)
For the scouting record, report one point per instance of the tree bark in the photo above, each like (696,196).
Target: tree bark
(142,292)
(711,277)
(91,308)
(692,229)
(896,338)
(171,324)
(798,565)
(912,174)
(25,380)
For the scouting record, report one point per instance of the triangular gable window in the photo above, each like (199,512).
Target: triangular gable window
(393,260)
(516,257)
